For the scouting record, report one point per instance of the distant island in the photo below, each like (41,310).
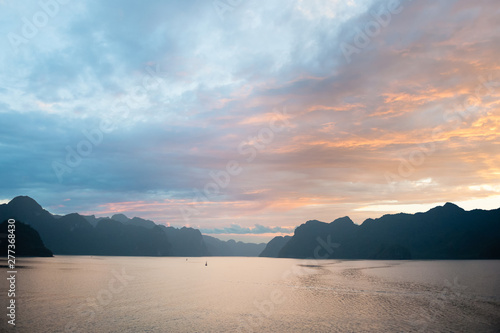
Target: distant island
(444,232)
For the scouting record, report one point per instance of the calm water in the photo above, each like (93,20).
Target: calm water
(138,294)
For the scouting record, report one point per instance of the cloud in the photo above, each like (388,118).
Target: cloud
(184,89)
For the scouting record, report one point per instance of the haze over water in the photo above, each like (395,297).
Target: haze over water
(172,294)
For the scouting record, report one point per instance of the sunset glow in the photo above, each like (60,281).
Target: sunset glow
(181,117)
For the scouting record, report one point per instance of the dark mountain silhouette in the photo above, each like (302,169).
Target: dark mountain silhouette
(274,246)
(79,235)
(305,240)
(28,210)
(186,242)
(27,241)
(217,247)
(90,219)
(137,221)
(118,239)
(444,232)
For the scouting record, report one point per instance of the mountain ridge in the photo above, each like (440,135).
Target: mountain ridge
(77,234)
(442,232)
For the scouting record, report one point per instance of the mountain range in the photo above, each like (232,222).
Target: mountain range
(75,234)
(444,232)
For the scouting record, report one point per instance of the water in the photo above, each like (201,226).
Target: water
(146,294)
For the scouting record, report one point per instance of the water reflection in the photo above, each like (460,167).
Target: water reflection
(130,294)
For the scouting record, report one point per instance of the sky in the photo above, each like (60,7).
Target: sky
(246,118)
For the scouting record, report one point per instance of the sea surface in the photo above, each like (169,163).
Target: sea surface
(234,294)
